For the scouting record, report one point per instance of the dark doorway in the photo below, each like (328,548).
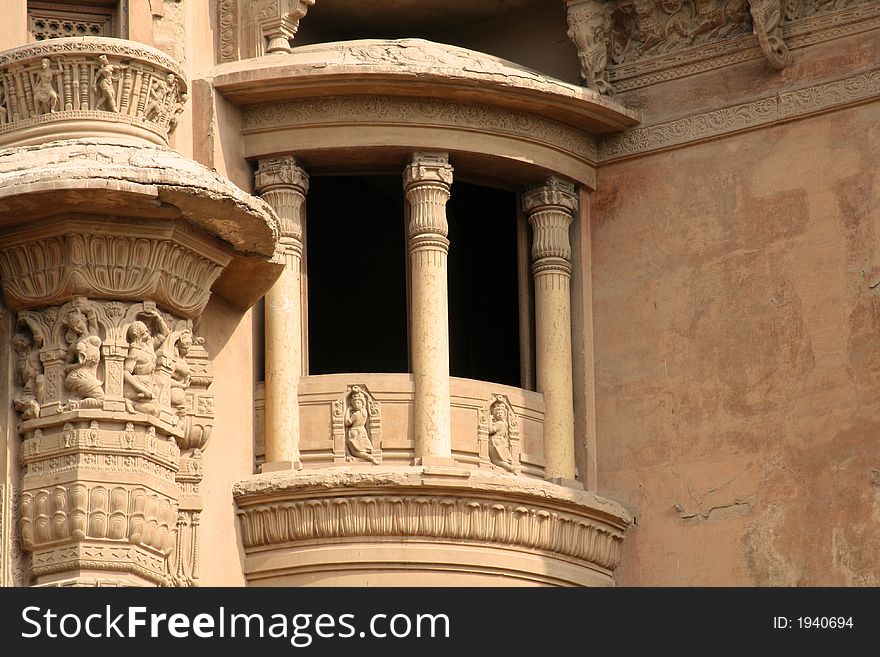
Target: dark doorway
(357,274)
(483,286)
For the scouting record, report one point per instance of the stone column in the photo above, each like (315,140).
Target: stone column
(283,184)
(550,208)
(426,179)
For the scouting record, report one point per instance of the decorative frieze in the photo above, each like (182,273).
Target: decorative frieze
(628,43)
(782,107)
(53,83)
(486,515)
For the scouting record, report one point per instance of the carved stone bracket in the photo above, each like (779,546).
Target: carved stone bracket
(767,18)
(357,426)
(589,28)
(498,435)
(277,22)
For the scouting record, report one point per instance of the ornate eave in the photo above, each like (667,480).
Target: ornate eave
(96,177)
(417,68)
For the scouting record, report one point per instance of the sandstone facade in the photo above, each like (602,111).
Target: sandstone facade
(686,196)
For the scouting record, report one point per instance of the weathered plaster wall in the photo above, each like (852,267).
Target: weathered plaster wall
(737,344)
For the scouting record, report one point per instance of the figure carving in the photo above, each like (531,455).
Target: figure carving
(499,436)
(82,376)
(357,436)
(45,96)
(181,376)
(30,377)
(140,364)
(160,89)
(103,85)
(83,357)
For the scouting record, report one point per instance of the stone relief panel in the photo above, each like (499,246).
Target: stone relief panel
(59,79)
(357,426)
(618,38)
(498,435)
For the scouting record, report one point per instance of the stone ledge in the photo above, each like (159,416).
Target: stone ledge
(494,515)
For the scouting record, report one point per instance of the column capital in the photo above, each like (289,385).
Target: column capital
(274,173)
(554,193)
(427,167)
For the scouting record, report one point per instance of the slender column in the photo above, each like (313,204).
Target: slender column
(283,184)
(550,207)
(426,179)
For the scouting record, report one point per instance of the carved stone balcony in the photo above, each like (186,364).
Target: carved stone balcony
(88,87)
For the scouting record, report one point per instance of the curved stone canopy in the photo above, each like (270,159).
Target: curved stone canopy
(100,177)
(95,177)
(417,68)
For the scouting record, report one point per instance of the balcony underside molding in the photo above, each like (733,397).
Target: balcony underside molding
(437,525)
(102,179)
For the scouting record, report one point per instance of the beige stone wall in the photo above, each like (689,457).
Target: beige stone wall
(737,355)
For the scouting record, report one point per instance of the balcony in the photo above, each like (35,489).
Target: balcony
(89,87)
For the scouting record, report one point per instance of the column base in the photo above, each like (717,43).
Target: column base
(279,466)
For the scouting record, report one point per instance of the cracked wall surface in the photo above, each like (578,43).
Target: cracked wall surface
(738,355)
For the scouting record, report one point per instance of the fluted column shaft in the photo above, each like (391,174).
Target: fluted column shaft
(427,179)
(550,208)
(283,184)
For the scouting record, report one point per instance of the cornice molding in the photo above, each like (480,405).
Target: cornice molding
(779,108)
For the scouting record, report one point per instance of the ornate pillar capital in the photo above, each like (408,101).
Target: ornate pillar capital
(550,207)
(426,168)
(283,184)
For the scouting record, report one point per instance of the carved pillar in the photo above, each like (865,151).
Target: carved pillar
(550,208)
(283,184)
(426,179)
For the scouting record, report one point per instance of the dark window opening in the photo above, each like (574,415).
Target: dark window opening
(356,256)
(483,285)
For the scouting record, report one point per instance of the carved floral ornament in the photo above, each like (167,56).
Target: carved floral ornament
(90,78)
(608,33)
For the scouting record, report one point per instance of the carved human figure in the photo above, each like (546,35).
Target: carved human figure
(103,85)
(175,113)
(181,376)
(159,99)
(357,436)
(81,377)
(140,364)
(45,96)
(29,373)
(499,437)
